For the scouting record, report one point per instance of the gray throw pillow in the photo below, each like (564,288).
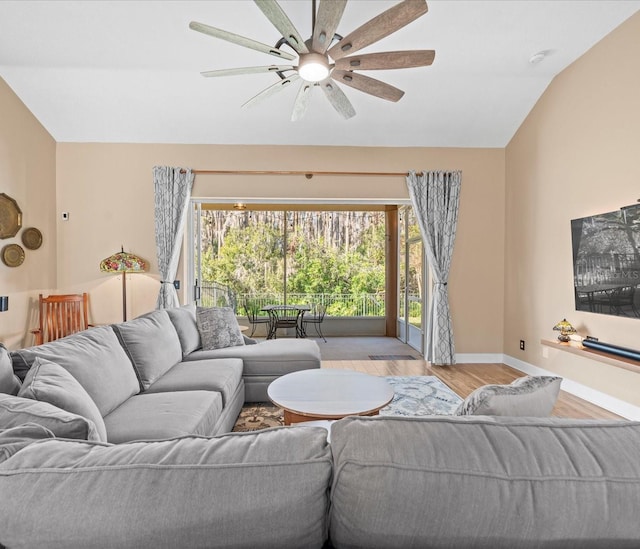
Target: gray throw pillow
(49,382)
(532,396)
(218,327)
(15,411)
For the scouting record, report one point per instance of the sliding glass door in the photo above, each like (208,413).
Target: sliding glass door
(334,258)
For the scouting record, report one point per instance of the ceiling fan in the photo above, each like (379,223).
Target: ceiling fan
(326,58)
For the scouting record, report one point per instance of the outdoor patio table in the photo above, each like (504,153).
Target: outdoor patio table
(286,316)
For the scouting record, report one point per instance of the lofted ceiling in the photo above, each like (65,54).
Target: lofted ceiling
(129,71)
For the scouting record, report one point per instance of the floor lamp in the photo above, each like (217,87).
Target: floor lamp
(123,262)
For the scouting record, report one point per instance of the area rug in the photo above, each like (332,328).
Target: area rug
(414,396)
(420,396)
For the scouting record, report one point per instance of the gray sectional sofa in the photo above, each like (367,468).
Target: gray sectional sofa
(150,379)
(456,483)
(383,482)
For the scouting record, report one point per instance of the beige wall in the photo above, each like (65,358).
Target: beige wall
(107,190)
(575,155)
(27,174)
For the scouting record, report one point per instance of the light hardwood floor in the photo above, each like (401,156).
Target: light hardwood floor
(464,378)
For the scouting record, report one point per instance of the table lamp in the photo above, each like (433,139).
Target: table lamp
(123,262)
(565,329)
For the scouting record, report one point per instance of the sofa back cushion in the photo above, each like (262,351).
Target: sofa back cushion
(266,489)
(498,482)
(528,396)
(15,439)
(46,381)
(9,383)
(152,344)
(95,358)
(184,321)
(16,411)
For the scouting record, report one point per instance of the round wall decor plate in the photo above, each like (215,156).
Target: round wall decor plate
(12,255)
(10,216)
(32,238)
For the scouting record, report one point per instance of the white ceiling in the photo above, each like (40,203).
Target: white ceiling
(128,71)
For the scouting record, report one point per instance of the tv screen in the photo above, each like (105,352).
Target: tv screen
(606,262)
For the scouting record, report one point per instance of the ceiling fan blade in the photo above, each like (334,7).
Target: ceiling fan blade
(271,90)
(329,15)
(337,98)
(248,70)
(387,60)
(368,85)
(380,26)
(302,101)
(240,40)
(280,21)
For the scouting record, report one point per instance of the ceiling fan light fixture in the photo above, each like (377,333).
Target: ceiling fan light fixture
(313,67)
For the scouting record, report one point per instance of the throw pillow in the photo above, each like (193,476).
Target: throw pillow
(15,411)
(49,382)
(533,396)
(218,327)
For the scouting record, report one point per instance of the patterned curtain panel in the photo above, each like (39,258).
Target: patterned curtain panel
(435,197)
(172,193)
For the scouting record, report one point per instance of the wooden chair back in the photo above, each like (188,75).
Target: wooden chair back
(61,315)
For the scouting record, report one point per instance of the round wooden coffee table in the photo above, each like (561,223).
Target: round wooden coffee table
(328,394)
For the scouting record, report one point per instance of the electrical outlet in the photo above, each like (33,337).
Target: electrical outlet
(522,344)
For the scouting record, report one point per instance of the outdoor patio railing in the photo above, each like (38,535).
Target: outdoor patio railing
(212,294)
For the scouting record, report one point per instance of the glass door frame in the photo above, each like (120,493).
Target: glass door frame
(409,333)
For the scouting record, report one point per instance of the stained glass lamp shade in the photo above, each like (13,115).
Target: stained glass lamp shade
(123,262)
(565,329)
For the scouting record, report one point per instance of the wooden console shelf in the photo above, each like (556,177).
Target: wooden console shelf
(576,348)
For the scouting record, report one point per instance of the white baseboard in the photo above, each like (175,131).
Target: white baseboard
(479,358)
(615,405)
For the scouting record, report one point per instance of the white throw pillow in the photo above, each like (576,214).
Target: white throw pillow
(532,396)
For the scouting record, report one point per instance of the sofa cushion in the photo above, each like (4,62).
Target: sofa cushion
(46,381)
(222,375)
(267,489)
(9,383)
(184,321)
(490,482)
(533,396)
(274,357)
(152,344)
(95,358)
(15,411)
(218,327)
(155,416)
(14,439)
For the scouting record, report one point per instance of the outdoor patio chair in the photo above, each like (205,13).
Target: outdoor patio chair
(253,315)
(316,318)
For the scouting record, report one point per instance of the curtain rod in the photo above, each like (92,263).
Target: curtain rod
(307,174)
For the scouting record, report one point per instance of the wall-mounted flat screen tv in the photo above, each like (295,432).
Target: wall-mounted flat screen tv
(606,262)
